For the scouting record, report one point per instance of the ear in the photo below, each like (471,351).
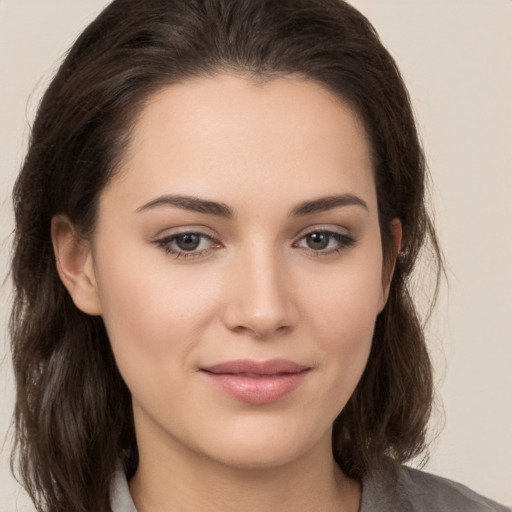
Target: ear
(390,261)
(75,265)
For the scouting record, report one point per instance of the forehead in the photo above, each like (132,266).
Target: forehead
(228,135)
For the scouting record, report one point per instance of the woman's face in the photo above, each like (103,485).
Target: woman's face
(238,267)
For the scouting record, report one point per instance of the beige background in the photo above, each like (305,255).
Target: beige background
(456,57)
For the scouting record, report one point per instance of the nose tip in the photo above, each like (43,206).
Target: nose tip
(260,323)
(260,302)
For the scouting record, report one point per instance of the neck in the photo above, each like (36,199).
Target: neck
(185,481)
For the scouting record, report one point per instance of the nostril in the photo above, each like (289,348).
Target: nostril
(260,332)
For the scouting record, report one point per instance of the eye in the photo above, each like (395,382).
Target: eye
(188,241)
(187,244)
(325,242)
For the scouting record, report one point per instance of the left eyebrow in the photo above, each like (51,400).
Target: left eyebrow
(327,203)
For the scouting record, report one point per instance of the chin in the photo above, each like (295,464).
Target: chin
(255,449)
(261,457)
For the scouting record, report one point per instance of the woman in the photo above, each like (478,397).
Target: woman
(217,217)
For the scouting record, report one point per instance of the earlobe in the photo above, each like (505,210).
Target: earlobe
(75,265)
(390,261)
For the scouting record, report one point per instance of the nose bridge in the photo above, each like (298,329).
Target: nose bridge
(260,299)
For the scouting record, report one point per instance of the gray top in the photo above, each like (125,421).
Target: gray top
(399,488)
(394,489)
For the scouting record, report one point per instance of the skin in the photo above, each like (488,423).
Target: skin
(255,288)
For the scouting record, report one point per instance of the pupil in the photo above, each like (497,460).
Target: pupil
(188,242)
(318,240)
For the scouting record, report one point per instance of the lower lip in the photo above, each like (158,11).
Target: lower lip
(256,390)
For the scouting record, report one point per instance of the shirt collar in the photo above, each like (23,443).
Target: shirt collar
(120,498)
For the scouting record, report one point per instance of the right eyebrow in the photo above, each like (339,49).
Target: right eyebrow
(190,203)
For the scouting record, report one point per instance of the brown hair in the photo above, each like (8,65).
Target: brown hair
(73,415)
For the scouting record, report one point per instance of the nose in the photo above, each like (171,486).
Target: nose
(261,301)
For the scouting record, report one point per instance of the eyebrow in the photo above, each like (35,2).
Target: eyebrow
(327,203)
(191,203)
(199,205)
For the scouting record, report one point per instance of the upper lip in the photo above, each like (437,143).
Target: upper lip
(270,367)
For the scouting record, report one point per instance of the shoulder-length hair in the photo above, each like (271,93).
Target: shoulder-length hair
(73,415)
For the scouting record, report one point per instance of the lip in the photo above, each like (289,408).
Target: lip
(256,382)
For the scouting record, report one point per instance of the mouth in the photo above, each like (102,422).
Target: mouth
(256,382)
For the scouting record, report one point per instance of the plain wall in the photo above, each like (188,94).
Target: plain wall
(456,57)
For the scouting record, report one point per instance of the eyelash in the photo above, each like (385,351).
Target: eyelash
(344,241)
(166,244)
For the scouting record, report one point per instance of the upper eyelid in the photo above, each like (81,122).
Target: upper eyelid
(166,241)
(327,231)
(203,231)
(210,233)
(172,232)
(323,228)
(340,237)
(173,236)
(307,231)
(200,253)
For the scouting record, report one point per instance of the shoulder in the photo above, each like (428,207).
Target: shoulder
(399,488)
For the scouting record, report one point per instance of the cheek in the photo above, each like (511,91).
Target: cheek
(342,316)
(345,326)
(346,303)
(151,308)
